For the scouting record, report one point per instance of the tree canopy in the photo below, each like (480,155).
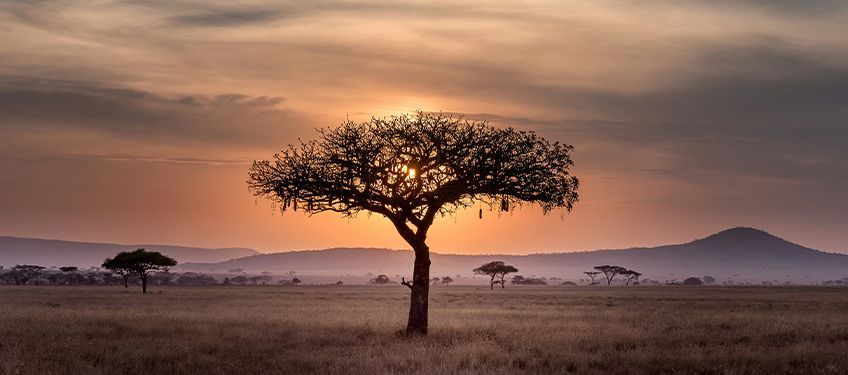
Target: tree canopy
(610,272)
(411,168)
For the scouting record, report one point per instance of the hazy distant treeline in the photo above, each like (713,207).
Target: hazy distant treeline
(39,275)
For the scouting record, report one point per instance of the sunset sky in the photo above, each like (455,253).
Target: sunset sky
(136,122)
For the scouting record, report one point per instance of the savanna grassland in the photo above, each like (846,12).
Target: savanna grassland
(354,329)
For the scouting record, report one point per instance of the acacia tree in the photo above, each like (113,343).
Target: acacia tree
(380,280)
(592,275)
(631,276)
(496,269)
(412,168)
(119,268)
(610,272)
(141,263)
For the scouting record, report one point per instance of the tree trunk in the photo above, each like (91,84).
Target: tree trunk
(492,283)
(417,324)
(126,281)
(143,284)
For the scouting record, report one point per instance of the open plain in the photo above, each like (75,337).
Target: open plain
(355,329)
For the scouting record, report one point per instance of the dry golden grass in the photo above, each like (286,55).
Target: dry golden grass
(253,330)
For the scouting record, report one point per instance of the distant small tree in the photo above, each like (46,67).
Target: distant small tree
(709,280)
(119,268)
(521,280)
(296,281)
(239,280)
(592,275)
(339,282)
(693,281)
(381,280)
(630,277)
(496,269)
(141,263)
(435,281)
(69,269)
(447,280)
(610,272)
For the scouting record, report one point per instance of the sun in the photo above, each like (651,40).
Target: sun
(410,171)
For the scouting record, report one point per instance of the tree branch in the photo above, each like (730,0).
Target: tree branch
(407,283)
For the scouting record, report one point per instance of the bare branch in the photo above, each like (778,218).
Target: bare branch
(407,283)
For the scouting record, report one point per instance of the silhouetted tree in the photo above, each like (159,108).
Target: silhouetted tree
(610,272)
(411,169)
(447,280)
(68,269)
(296,281)
(435,281)
(496,269)
(592,275)
(381,280)
(141,263)
(709,280)
(119,268)
(521,280)
(630,277)
(239,280)
(693,281)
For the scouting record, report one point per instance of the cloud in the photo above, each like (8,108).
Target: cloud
(228,17)
(232,119)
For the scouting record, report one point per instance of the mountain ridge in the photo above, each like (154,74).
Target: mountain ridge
(53,252)
(753,253)
(740,252)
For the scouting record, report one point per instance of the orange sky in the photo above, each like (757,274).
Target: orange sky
(136,122)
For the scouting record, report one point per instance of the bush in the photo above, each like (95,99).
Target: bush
(693,281)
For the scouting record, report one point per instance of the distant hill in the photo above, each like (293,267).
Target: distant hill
(742,254)
(15,250)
